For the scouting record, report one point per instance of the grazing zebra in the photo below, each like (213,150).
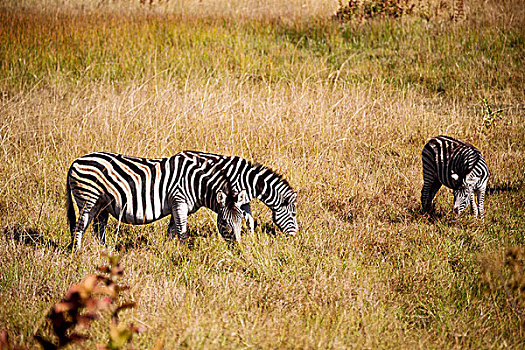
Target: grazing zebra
(457,165)
(140,191)
(259,182)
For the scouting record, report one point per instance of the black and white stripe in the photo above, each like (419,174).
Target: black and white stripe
(259,182)
(140,191)
(457,165)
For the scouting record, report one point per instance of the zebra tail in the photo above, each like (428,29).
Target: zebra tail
(71,216)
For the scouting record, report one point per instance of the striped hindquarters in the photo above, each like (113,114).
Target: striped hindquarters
(135,189)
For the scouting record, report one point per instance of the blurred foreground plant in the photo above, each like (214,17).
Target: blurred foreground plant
(505,274)
(83,303)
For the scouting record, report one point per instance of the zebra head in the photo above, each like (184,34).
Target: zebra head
(230,215)
(464,192)
(461,194)
(284,214)
(461,199)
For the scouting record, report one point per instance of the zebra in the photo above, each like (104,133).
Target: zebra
(140,191)
(262,183)
(457,165)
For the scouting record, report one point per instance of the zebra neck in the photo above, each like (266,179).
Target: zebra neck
(269,187)
(259,181)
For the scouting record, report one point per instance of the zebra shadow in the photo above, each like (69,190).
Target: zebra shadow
(505,187)
(445,216)
(415,213)
(435,216)
(129,238)
(29,236)
(267,228)
(412,213)
(131,243)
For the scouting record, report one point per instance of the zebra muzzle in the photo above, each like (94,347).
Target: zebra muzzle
(292,233)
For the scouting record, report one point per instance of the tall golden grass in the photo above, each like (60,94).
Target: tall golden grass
(341,110)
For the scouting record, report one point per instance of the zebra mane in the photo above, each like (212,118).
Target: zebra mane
(475,162)
(474,156)
(459,142)
(209,166)
(254,166)
(259,168)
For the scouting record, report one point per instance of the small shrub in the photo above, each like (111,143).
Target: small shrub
(490,116)
(367,9)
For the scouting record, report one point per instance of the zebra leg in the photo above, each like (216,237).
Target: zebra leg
(247,212)
(481,198)
(87,213)
(99,226)
(171,228)
(473,204)
(179,221)
(430,188)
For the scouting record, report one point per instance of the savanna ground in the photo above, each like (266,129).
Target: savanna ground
(342,110)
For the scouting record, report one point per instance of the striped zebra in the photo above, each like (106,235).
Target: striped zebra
(140,191)
(457,165)
(259,182)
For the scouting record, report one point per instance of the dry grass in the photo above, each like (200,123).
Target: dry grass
(342,111)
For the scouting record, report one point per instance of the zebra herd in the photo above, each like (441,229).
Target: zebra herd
(140,190)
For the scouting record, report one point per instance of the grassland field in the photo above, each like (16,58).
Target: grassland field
(342,110)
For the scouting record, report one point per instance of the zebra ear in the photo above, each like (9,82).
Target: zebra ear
(455,176)
(242,198)
(221,198)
